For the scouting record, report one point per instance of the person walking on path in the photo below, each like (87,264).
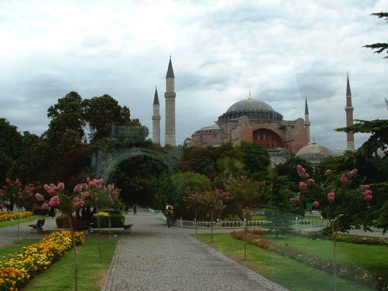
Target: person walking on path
(134,208)
(169,214)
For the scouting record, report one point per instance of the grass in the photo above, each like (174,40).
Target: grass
(372,258)
(283,270)
(21,220)
(60,275)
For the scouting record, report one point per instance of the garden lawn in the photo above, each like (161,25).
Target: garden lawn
(60,275)
(371,257)
(277,268)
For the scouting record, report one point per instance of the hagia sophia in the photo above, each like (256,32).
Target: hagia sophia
(251,120)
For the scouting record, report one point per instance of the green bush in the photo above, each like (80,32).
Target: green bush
(40,211)
(116,220)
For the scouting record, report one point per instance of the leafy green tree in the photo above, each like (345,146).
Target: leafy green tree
(172,188)
(10,146)
(101,113)
(379,47)
(246,194)
(204,160)
(278,209)
(255,158)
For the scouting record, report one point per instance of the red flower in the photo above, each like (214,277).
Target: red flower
(311,181)
(315,204)
(302,185)
(331,196)
(368,197)
(343,178)
(328,172)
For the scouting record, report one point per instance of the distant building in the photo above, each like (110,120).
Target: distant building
(253,120)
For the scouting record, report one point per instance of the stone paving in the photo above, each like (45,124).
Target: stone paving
(155,257)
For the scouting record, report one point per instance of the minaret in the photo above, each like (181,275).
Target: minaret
(349,117)
(307,121)
(156,119)
(170,106)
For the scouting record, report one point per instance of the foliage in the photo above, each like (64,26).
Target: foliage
(204,160)
(245,194)
(10,143)
(172,188)
(255,158)
(350,272)
(17,270)
(379,47)
(278,211)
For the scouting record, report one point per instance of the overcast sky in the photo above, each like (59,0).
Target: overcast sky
(283,51)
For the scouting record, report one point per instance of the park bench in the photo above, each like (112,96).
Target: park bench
(38,226)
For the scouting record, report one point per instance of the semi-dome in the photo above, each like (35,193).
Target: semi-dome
(254,109)
(314,153)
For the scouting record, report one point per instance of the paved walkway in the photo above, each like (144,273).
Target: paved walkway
(155,257)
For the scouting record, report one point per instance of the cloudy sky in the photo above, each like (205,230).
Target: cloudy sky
(283,51)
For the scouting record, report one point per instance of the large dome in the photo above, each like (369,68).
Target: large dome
(254,109)
(314,153)
(250,104)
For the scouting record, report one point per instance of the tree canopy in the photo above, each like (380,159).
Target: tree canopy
(380,46)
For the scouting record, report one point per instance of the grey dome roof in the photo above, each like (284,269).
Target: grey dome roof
(250,104)
(254,109)
(314,152)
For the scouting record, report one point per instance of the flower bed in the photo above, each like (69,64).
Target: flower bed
(12,215)
(18,269)
(350,272)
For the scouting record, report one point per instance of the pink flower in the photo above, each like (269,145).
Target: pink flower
(54,201)
(8,180)
(328,172)
(294,201)
(17,182)
(78,202)
(49,189)
(352,173)
(45,205)
(315,204)
(367,192)
(368,197)
(301,171)
(331,196)
(39,197)
(302,185)
(343,178)
(311,181)
(61,186)
(363,188)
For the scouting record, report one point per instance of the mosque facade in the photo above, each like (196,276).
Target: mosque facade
(250,120)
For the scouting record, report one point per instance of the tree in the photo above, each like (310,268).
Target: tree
(101,113)
(245,194)
(172,188)
(10,146)
(255,157)
(341,200)
(379,47)
(278,210)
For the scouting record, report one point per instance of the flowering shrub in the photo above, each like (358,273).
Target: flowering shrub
(83,200)
(16,270)
(11,215)
(16,194)
(350,272)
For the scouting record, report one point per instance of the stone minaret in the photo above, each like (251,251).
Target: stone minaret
(156,119)
(170,106)
(349,117)
(307,121)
